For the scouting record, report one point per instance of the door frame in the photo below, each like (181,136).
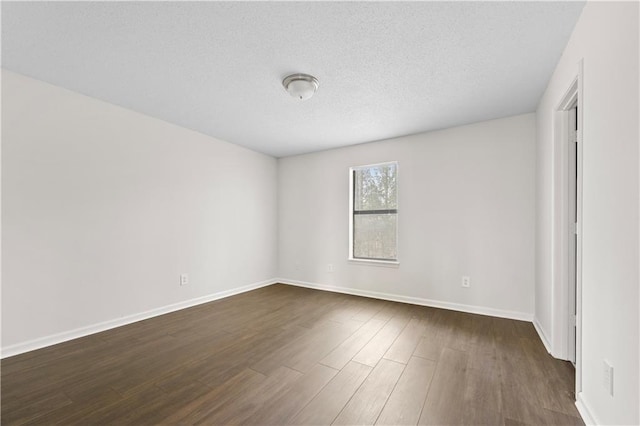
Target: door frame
(562,321)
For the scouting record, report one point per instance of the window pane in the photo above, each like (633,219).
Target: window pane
(375,236)
(375,188)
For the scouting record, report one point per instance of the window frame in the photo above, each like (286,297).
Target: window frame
(376,262)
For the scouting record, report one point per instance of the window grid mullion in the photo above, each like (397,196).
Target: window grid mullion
(386,211)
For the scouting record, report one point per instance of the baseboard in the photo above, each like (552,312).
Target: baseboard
(522,316)
(54,339)
(107,325)
(542,336)
(584,410)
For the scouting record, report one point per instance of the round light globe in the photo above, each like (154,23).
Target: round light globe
(300,86)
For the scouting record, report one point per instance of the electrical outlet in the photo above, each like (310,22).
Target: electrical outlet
(466,281)
(184,279)
(607,377)
(330,267)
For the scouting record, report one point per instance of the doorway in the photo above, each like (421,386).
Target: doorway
(567,323)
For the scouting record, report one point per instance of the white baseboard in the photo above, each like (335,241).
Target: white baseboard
(522,316)
(54,339)
(107,325)
(584,410)
(543,336)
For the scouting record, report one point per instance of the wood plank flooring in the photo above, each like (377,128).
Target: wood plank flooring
(287,355)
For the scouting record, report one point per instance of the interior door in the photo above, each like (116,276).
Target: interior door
(573,236)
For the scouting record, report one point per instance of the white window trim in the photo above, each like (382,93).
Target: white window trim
(373,262)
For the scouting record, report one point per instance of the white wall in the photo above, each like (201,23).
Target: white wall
(466,207)
(103,208)
(606,37)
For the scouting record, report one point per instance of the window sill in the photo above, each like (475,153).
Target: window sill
(383,263)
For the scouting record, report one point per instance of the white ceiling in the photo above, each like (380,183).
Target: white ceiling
(385,69)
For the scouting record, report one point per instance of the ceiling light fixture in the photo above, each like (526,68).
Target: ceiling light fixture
(300,86)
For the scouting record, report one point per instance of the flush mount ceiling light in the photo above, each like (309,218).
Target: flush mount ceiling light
(300,86)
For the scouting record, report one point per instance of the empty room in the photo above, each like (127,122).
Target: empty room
(320,213)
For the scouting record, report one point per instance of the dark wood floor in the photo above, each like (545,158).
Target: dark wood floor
(287,355)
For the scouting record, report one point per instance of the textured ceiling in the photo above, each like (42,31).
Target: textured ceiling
(385,69)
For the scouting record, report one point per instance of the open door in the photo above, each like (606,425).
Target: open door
(572,238)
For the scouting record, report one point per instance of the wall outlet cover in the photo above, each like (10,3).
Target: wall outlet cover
(466,281)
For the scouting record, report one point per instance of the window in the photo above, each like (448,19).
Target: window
(374,212)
